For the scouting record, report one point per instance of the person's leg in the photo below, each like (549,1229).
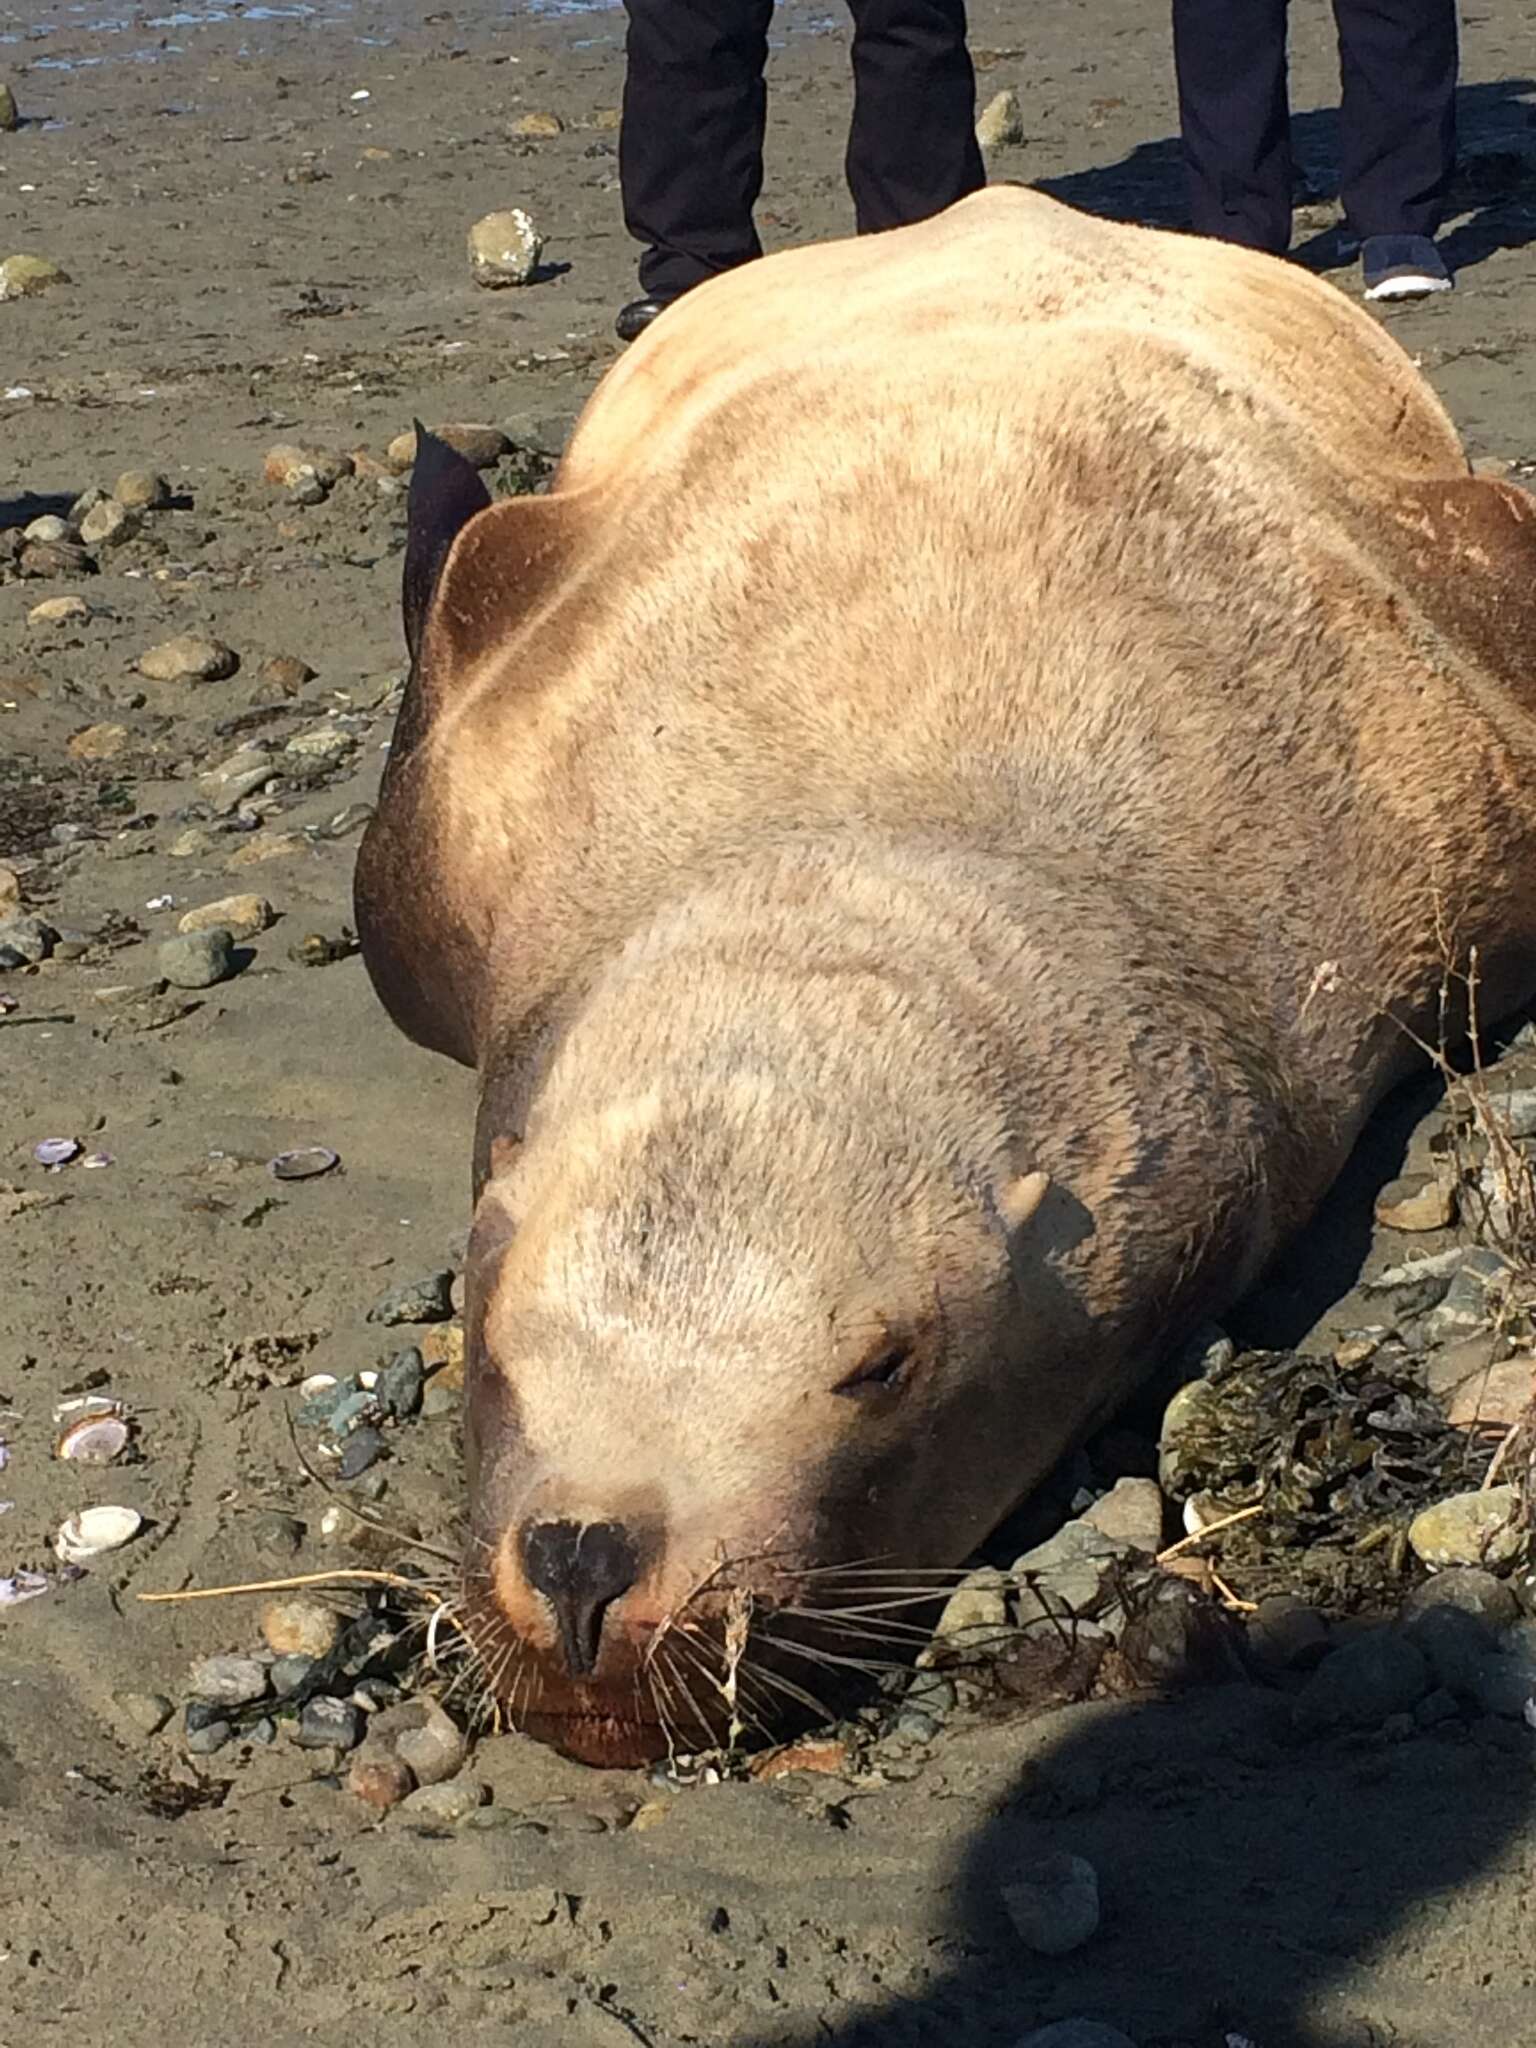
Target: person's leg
(1397,61)
(1229,56)
(691,143)
(912,146)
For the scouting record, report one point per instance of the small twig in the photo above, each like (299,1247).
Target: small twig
(1199,1535)
(289,1585)
(1506,1444)
(1237,1605)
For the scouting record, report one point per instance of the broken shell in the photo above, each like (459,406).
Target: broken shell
(78,1406)
(305,1164)
(93,1440)
(93,1531)
(367,1380)
(56,1151)
(317,1383)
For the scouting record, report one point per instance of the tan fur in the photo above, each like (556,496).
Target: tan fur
(963,687)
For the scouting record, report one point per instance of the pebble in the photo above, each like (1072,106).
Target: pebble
(379,1780)
(979,1602)
(189,658)
(1288,1635)
(108,523)
(329,1723)
(146,1711)
(1504,1687)
(399,1390)
(289,1673)
(1078,2034)
(197,959)
(295,1627)
(296,469)
(325,743)
(504,249)
(450,1802)
(49,527)
(227,1681)
(286,674)
(10,113)
(10,887)
(1054,1905)
(1359,1686)
(23,277)
(1470,1528)
(1076,1571)
(205,1731)
(264,846)
(422,1736)
(97,743)
(425,1300)
(191,844)
(1469,1588)
(276,1534)
(1454,1644)
(481,446)
(1496,1398)
(1468,1304)
(56,558)
(28,937)
(1131,1512)
(1416,1203)
(142,490)
(538,127)
(361,1449)
(241,916)
(1001,122)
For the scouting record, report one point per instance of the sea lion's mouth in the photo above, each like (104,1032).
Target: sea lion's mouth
(608,1742)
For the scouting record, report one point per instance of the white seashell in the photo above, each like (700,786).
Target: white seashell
(93,1440)
(317,1383)
(79,1406)
(93,1531)
(1199,1513)
(367,1380)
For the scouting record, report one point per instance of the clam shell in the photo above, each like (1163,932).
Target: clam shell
(317,1383)
(304,1164)
(79,1406)
(93,1440)
(94,1531)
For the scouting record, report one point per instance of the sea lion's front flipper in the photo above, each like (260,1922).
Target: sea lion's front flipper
(446,493)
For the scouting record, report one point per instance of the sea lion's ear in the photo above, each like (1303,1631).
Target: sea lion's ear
(446,493)
(1018,1199)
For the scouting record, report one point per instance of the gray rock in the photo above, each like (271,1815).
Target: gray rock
(504,249)
(440,1399)
(426,1300)
(1478,1528)
(1504,1686)
(1359,1686)
(1469,1588)
(364,1447)
(10,113)
(398,1393)
(1454,1644)
(1288,1635)
(1074,1573)
(450,1802)
(227,1681)
(189,658)
(977,1610)
(1000,124)
(107,524)
(263,1731)
(289,1673)
(142,490)
(206,1730)
(1078,2034)
(49,528)
(1475,1288)
(329,1723)
(1131,1512)
(424,1739)
(916,1724)
(197,959)
(146,1711)
(1054,1904)
(29,938)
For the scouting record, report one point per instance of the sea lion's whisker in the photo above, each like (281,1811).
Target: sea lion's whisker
(797,1694)
(874,1666)
(841,1621)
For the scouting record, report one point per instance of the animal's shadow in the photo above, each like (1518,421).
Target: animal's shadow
(1495,185)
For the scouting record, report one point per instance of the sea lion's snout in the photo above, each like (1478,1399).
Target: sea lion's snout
(579,1570)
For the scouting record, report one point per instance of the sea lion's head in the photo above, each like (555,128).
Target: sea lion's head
(735,1362)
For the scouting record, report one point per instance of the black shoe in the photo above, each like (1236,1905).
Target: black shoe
(634,318)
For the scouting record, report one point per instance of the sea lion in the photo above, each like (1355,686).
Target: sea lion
(934,834)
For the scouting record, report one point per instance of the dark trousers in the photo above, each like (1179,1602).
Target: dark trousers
(1397,62)
(691,146)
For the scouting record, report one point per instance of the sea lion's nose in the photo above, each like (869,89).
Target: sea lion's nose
(580,1568)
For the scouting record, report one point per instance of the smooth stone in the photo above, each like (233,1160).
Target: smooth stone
(504,249)
(48,528)
(328,1723)
(292,467)
(1448,1368)
(276,1534)
(286,674)
(1468,1304)
(1416,1203)
(1131,1512)
(264,846)
(361,1449)
(423,1300)
(380,1780)
(107,523)
(189,658)
(1505,1687)
(1076,1571)
(325,743)
(202,1737)
(1360,1685)
(197,959)
(1054,1905)
(1469,1588)
(450,1802)
(56,558)
(979,1602)
(142,490)
(1454,1644)
(296,1627)
(423,1737)
(28,937)
(1497,1397)
(23,277)
(482,446)
(97,743)
(227,1681)
(1000,124)
(290,1672)
(10,113)
(1286,1634)
(537,127)
(1470,1528)
(241,916)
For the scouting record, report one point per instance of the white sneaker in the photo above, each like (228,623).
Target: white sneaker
(1402,267)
